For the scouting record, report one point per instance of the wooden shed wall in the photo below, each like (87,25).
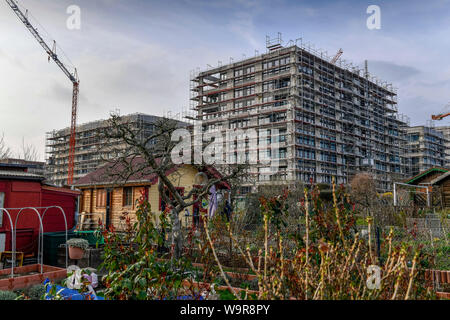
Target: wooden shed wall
(183,177)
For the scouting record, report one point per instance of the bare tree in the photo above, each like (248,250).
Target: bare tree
(5,151)
(133,152)
(364,191)
(28,152)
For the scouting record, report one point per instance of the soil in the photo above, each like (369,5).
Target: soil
(7,276)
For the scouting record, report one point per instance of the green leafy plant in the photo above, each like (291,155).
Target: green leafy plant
(53,293)
(135,268)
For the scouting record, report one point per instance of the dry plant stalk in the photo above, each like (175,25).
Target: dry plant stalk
(217,259)
(335,268)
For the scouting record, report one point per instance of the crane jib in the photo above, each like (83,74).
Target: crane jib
(72,77)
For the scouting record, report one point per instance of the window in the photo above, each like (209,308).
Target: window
(276,63)
(127,196)
(245,190)
(245,91)
(101,198)
(276,84)
(2,241)
(2,205)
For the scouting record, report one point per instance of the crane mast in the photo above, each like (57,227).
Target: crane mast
(73,77)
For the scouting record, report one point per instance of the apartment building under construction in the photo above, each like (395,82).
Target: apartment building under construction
(446,135)
(333,119)
(90,149)
(426,148)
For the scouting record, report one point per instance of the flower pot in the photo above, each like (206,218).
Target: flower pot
(75,253)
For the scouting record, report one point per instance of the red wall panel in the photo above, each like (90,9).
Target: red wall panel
(25,186)
(19,194)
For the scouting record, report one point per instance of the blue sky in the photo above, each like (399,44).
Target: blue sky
(137,55)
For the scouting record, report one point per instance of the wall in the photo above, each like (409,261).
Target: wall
(20,194)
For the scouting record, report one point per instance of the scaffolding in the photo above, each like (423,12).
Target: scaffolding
(89,147)
(345,115)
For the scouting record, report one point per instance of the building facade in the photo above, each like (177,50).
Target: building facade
(446,132)
(332,120)
(90,148)
(426,148)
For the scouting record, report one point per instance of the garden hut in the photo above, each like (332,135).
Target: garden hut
(20,188)
(441,187)
(109,199)
(428,178)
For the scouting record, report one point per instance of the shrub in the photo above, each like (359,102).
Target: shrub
(331,261)
(134,268)
(36,292)
(7,295)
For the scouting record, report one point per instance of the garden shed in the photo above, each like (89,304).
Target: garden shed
(441,187)
(426,179)
(426,176)
(19,189)
(109,199)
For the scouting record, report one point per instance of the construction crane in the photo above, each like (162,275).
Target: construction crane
(440,116)
(443,114)
(337,56)
(73,77)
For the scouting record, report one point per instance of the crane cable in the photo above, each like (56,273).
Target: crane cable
(48,36)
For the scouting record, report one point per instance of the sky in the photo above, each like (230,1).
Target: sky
(137,56)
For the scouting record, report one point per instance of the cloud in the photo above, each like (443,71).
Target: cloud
(137,55)
(392,72)
(242,25)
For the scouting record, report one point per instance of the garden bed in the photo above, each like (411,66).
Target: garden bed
(28,276)
(443,295)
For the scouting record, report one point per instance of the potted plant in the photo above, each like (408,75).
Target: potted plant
(77,246)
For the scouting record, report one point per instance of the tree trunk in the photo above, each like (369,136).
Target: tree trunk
(177,241)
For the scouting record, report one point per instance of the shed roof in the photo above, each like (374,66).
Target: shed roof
(425,173)
(19,175)
(440,178)
(103,176)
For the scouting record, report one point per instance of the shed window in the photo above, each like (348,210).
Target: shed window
(127,196)
(101,198)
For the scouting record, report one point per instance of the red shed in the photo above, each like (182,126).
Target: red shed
(18,189)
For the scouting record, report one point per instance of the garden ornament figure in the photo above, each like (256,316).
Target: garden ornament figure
(75,280)
(212,201)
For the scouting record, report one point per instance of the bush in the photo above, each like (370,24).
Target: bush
(7,295)
(331,261)
(133,265)
(36,292)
